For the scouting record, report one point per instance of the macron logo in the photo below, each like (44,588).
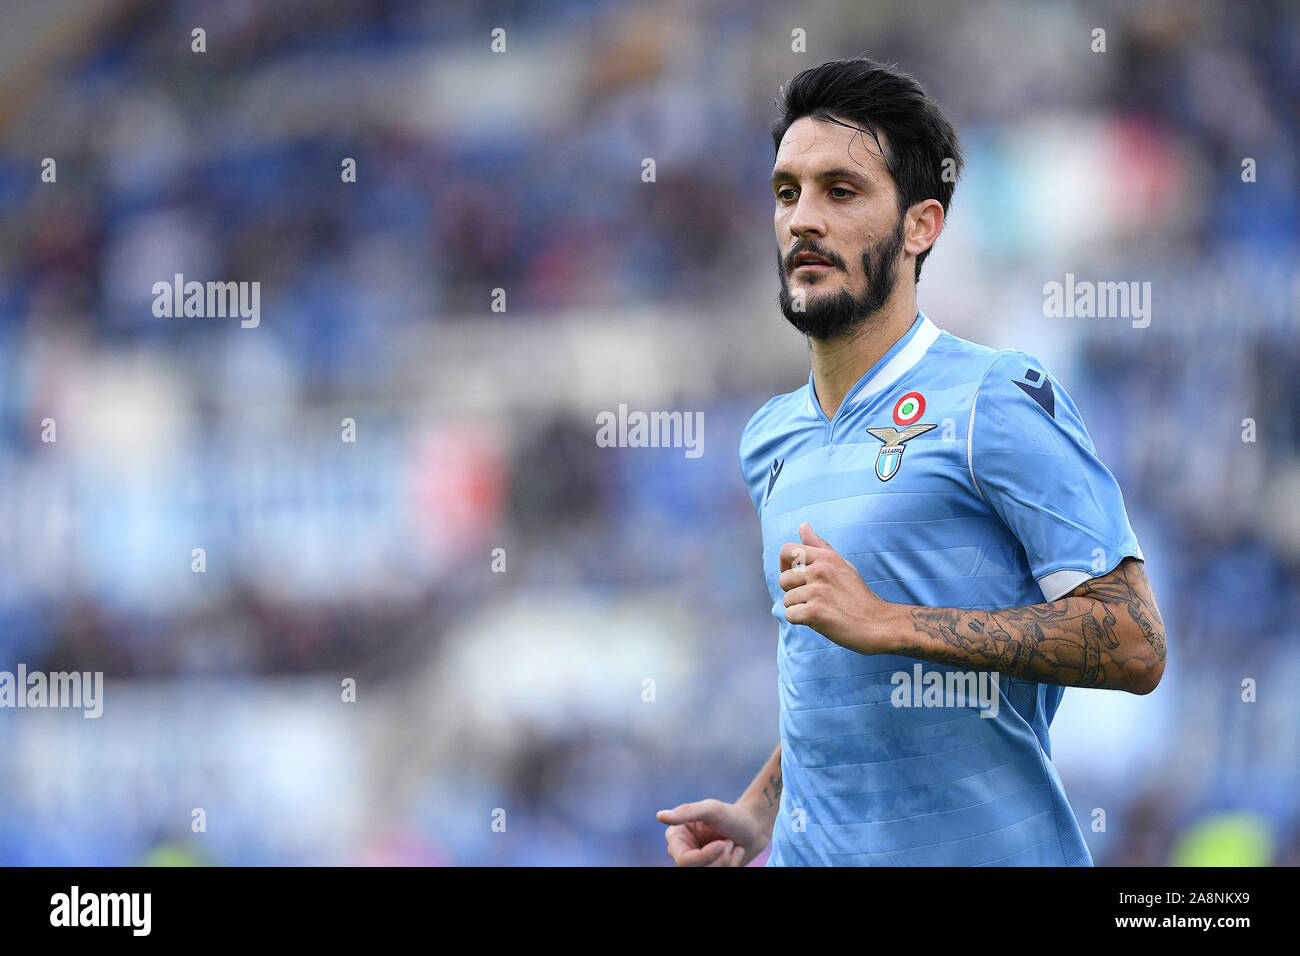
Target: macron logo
(1039,388)
(777,465)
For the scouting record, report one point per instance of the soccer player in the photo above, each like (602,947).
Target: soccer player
(934,518)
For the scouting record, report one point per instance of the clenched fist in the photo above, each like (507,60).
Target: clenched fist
(825,592)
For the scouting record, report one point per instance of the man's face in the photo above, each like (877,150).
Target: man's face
(838,229)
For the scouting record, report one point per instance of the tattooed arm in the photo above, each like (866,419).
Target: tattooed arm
(764,793)
(1105,633)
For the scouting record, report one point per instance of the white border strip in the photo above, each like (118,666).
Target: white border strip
(970,439)
(1060,583)
(908,356)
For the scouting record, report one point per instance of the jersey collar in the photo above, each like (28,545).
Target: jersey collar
(902,355)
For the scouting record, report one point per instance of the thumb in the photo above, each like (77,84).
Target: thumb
(810,537)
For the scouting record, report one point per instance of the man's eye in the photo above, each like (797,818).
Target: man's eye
(785,194)
(840,189)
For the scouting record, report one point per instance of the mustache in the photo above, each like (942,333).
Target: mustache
(816,250)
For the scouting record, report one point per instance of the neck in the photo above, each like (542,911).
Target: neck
(838,363)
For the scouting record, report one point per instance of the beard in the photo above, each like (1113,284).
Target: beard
(828,316)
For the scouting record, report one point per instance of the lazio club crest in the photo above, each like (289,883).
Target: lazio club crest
(906,411)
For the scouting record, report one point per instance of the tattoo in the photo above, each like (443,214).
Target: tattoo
(773,789)
(1131,592)
(1073,641)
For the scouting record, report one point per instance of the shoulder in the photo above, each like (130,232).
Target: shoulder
(1020,406)
(771,418)
(974,361)
(766,434)
(1017,385)
(955,362)
(1007,377)
(1015,400)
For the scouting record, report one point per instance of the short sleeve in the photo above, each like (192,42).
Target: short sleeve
(1033,463)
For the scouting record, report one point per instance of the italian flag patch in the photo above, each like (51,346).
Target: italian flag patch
(909,408)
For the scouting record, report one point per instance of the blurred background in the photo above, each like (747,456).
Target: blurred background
(616,655)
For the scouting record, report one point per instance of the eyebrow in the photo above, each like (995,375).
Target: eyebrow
(826,175)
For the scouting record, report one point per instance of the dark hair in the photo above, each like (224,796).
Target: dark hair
(881,97)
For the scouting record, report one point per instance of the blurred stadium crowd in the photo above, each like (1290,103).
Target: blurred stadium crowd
(617,654)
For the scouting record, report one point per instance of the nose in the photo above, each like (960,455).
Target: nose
(806,220)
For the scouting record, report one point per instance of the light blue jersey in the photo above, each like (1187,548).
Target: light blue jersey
(952,475)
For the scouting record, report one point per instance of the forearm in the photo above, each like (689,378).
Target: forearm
(1078,641)
(1107,632)
(763,795)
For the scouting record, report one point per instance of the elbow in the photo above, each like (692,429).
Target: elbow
(1149,668)
(1147,682)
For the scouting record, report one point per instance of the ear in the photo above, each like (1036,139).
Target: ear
(921,226)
